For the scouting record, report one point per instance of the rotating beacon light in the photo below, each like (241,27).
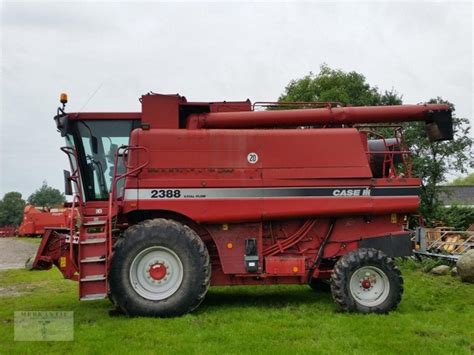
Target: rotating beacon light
(63,99)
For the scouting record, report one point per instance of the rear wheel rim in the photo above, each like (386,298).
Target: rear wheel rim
(369,286)
(156,273)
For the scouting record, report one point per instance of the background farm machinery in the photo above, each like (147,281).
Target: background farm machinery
(37,219)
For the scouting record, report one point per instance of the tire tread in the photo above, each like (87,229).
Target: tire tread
(342,272)
(142,232)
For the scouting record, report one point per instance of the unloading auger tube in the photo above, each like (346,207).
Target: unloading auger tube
(437,117)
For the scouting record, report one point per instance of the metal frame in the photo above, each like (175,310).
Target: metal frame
(428,247)
(390,154)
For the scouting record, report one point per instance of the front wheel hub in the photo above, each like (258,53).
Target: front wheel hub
(158,271)
(366,284)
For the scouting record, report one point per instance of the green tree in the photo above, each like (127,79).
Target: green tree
(458,217)
(11,209)
(46,196)
(431,161)
(466,180)
(335,85)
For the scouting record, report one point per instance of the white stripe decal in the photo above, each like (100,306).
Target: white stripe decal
(279,192)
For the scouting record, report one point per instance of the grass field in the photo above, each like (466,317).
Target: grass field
(436,316)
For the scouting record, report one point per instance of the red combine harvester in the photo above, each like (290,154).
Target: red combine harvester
(184,195)
(36,219)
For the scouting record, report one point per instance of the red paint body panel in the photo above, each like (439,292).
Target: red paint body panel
(332,153)
(347,232)
(226,211)
(206,159)
(285,265)
(231,256)
(160,111)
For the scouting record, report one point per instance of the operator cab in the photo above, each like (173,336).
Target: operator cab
(96,139)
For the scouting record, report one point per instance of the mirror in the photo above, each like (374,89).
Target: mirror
(62,122)
(67,183)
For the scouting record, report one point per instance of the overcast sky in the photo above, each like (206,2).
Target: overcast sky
(209,51)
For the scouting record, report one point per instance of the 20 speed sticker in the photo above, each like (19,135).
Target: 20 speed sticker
(252,158)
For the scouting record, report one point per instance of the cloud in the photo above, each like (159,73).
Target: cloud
(208,51)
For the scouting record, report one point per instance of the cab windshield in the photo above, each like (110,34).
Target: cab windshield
(97,142)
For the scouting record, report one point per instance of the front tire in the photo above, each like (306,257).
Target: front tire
(160,268)
(366,281)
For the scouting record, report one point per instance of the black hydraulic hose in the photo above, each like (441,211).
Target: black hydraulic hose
(319,256)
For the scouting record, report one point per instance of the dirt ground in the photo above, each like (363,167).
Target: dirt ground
(13,253)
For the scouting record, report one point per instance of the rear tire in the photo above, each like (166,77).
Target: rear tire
(160,268)
(366,281)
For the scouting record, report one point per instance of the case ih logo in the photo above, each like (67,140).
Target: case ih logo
(351,192)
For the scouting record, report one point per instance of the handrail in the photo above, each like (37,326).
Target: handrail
(407,159)
(390,154)
(128,173)
(77,197)
(313,104)
(72,229)
(75,174)
(380,136)
(125,149)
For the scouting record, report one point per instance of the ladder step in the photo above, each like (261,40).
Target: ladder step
(94,235)
(93,297)
(94,223)
(94,241)
(93,259)
(93,278)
